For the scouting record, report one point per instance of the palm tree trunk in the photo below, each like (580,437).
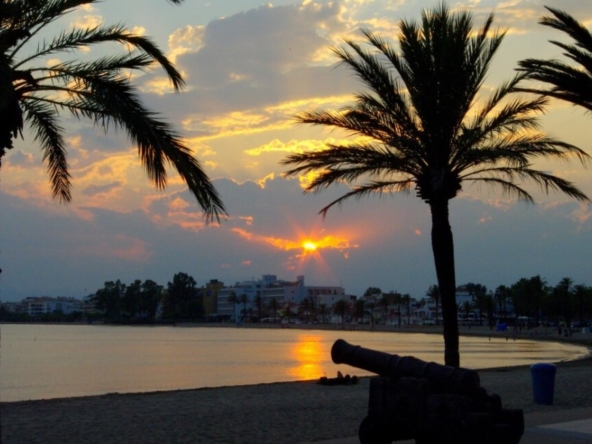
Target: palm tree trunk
(443,248)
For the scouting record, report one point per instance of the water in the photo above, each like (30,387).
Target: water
(55,361)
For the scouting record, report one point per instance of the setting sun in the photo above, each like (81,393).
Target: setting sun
(309,246)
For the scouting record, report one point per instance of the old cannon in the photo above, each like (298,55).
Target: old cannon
(428,402)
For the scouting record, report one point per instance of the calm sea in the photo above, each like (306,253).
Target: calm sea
(55,361)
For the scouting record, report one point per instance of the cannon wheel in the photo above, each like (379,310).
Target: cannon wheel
(370,432)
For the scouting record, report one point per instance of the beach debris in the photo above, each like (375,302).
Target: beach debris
(339,380)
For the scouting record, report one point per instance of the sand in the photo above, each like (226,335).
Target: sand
(293,412)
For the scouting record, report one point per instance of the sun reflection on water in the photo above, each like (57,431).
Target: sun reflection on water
(307,353)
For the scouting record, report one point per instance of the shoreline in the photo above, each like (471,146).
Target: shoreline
(289,412)
(578,340)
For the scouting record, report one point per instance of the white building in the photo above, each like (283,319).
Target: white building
(37,306)
(270,288)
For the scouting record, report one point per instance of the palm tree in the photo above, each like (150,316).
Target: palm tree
(371,306)
(360,310)
(434,293)
(233,299)
(273,305)
(421,127)
(34,89)
(340,308)
(243,299)
(305,308)
(565,82)
(323,310)
(583,295)
(406,299)
(502,295)
(466,307)
(564,291)
(398,300)
(259,305)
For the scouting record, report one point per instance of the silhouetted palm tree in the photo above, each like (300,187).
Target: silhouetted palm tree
(570,83)
(233,299)
(421,127)
(273,305)
(564,291)
(340,308)
(502,296)
(407,301)
(434,293)
(583,295)
(259,305)
(360,310)
(384,302)
(243,299)
(34,88)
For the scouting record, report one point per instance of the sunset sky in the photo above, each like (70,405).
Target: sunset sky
(250,67)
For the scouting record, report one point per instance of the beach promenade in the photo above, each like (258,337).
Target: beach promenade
(293,412)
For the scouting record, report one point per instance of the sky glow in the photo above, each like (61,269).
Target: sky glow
(250,67)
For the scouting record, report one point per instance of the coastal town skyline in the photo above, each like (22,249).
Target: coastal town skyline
(250,67)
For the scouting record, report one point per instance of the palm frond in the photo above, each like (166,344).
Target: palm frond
(569,25)
(508,187)
(371,188)
(566,83)
(547,182)
(43,119)
(115,102)
(72,76)
(376,76)
(562,81)
(35,16)
(79,38)
(352,161)
(582,57)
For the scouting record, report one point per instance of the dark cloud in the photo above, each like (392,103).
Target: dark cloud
(258,58)
(258,44)
(93,190)
(17,157)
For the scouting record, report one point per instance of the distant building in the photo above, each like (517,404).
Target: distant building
(269,288)
(38,306)
(209,294)
(12,307)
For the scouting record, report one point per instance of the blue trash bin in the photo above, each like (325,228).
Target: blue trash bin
(543,383)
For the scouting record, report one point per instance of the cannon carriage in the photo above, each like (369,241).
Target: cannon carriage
(428,402)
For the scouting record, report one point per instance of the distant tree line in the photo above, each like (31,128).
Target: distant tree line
(143,302)
(531,298)
(181,300)
(137,303)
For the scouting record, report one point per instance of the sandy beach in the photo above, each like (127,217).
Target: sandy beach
(292,412)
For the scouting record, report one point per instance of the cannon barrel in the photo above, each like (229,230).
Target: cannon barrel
(441,378)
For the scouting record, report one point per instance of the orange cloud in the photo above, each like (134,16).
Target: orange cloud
(185,40)
(248,219)
(118,245)
(305,244)
(135,251)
